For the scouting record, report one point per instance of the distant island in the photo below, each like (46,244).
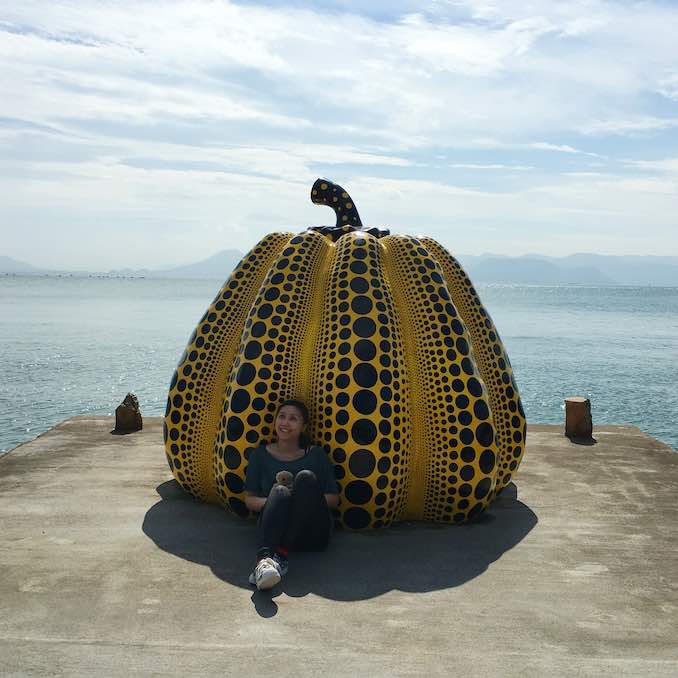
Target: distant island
(218,266)
(530,269)
(575,269)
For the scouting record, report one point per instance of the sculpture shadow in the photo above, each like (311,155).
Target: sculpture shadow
(410,556)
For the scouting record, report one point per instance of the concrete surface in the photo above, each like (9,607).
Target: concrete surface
(108,569)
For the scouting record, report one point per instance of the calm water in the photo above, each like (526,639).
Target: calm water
(78,345)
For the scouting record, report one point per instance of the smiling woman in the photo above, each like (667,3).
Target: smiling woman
(292,484)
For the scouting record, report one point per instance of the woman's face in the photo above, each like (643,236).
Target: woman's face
(289,424)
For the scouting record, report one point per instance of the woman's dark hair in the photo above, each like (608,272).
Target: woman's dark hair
(304,438)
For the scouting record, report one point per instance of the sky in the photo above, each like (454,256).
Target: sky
(153,134)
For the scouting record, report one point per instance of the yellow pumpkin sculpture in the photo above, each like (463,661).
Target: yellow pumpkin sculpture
(384,337)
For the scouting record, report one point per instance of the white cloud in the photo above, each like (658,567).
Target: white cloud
(629,126)
(471,50)
(669,165)
(134,115)
(491,166)
(410,77)
(559,148)
(491,143)
(562,216)
(668,85)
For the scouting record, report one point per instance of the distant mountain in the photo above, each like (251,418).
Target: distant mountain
(9,265)
(218,265)
(532,269)
(579,269)
(630,270)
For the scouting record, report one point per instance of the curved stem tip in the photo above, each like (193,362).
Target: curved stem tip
(325,192)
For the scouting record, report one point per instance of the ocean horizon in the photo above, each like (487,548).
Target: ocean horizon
(77,345)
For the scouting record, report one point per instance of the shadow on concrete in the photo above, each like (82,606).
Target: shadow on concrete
(410,556)
(582,441)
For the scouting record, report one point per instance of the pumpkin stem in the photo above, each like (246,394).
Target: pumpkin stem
(325,192)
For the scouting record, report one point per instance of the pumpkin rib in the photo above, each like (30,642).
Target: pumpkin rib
(456,454)
(493,363)
(314,344)
(199,382)
(358,367)
(403,418)
(268,366)
(414,506)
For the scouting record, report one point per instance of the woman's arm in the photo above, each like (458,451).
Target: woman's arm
(253,483)
(253,502)
(332,500)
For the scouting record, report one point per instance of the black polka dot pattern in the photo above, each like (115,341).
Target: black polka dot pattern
(440,364)
(361,412)
(493,364)
(194,404)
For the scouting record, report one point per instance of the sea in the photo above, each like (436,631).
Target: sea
(77,345)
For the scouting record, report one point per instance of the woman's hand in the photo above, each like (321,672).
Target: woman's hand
(254,503)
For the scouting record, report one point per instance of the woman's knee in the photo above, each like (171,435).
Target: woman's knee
(305,478)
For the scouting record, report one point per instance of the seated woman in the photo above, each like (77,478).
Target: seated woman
(292,483)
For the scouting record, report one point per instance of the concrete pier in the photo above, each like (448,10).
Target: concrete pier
(108,569)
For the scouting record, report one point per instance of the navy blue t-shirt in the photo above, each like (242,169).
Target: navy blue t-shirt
(262,468)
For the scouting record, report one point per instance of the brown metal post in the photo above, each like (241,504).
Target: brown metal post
(578,422)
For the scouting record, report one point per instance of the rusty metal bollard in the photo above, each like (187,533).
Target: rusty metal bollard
(578,422)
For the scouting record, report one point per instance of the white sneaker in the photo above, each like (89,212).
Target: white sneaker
(265,575)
